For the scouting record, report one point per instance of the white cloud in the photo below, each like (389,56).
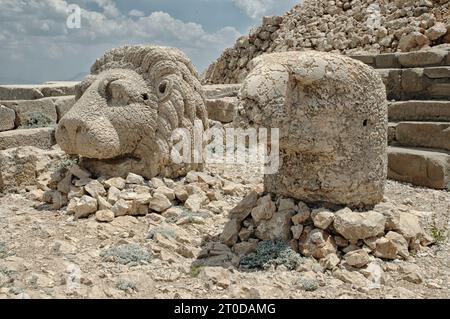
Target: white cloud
(37,30)
(258,8)
(136,13)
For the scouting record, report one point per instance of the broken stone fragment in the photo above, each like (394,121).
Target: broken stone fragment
(229,235)
(134,179)
(122,207)
(316,243)
(264,210)
(117,182)
(169,193)
(95,189)
(277,227)
(243,209)
(355,225)
(85,207)
(322,218)
(357,258)
(106,216)
(159,203)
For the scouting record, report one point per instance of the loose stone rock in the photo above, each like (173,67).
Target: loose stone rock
(354,226)
(104,216)
(85,206)
(159,203)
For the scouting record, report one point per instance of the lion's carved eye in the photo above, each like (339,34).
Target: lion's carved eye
(164,89)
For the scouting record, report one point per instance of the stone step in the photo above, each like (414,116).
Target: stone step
(421,167)
(43,137)
(415,110)
(217,91)
(423,134)
(417,83)
(41,112)
(425,58)
(222,109)
(36,91)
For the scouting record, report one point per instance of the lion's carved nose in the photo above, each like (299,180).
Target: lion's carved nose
(71,128)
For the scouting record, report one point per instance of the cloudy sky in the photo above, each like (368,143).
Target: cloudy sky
(36,45)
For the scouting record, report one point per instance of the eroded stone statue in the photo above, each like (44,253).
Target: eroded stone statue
(127,109)
(332,114)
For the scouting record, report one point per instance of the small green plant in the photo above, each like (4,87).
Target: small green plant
(272,252)
(128,254)
(36,119)
(166,232)
(195,270)
(7,272)
(307,284)
(187,213)
(68,162)
(4,251)
(439,235)
(126,285)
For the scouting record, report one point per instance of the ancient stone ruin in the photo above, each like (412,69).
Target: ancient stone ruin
(127,109)
(86,172)
(332,133)
(348,27)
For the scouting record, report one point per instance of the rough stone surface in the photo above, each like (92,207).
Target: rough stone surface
(127,109)
(32,92)
(7,118)
(420,167)
(159,203)
(106,216)
(244,208)
(349,27)
(20,167)
(264,210)
(277,227)
(222,109)
(332,146)
(355,226)
(85,206)
(357,258)
(42,137)
(34,113)
(316,243)
(322,218)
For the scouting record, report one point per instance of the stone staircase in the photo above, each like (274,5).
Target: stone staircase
(29,113)
(418,90)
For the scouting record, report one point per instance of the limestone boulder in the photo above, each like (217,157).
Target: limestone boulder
(7,118)
(332,133)
(355,226)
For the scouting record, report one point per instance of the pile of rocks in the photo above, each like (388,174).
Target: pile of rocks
(342,237)
(340,26)
(73,190)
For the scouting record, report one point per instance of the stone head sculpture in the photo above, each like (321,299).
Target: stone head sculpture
(127,109)
(331,111)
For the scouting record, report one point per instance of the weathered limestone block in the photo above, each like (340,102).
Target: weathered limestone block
(42,137)
(34,113)
(221,90)
(332,114)
(20,166)
(222,109)
(422,58)
(127,109)
(63,104)
(7,118)
(32,91)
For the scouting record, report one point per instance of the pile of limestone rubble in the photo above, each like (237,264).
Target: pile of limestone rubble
(349,27)
(385,232)
(332,236)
